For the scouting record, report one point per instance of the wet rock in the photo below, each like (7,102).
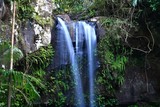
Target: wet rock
(140,86)
(101,31)
(65,17)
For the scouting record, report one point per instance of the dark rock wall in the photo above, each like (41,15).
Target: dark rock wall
(142,83)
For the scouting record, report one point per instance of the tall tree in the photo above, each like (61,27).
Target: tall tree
(11,59)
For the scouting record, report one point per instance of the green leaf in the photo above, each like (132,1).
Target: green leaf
(24,83)
(5,53)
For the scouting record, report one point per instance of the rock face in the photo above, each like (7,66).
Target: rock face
(37,34)
(142,82)
(32,34)
(140,85)
(100,30)
(65,17)
(44,9)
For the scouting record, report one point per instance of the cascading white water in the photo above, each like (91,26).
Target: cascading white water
(77,79)
(85,40)
(91,41)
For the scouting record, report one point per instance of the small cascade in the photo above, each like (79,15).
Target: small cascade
(76,42)
(91,41)
(68,43)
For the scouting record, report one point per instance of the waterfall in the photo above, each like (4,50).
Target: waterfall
(71,48)
(77,79)
(91,40)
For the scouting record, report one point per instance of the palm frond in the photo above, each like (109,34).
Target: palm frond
(24,83)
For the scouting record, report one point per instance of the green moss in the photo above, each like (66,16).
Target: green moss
(25,10)
(43,21)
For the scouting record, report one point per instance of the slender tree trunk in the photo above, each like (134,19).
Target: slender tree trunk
(11,59)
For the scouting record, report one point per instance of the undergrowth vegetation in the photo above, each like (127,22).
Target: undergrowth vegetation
(31,80)
(60,88)
(113,56)
(24,86)
(25,10)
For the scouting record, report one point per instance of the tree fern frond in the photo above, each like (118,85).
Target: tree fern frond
(24,83)
(34,92)
(21,77)
(25,97)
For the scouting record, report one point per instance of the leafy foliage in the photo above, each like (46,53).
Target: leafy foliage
(25,9)
(38,60)
(41,58)
(35,64)
(27,12)
(23,85)
(5,53)
(113,58)
(42,21)
(69,6)
(154,4)
(61,88)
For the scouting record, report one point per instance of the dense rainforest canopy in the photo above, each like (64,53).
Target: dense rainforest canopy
(127,49)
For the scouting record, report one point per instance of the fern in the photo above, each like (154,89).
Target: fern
(5,53)
(40,59)
(23,83)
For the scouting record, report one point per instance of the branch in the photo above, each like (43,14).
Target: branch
(150,34)
(148,45)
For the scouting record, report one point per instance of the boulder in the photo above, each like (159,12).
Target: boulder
(65,17)
(141,84)
(101,31)
(37,33)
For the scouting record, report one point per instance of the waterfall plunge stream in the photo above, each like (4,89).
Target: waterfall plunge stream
(83,35)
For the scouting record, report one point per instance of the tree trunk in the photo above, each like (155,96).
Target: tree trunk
(11,59)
